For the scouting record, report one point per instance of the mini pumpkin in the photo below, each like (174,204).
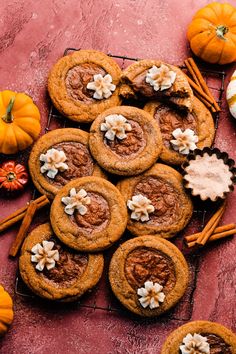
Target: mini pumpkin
(231,95)
(6,311)
(13,176)
(212,33)
(19,122)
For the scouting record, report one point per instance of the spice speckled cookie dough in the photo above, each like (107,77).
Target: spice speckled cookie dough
(54,271)
(125,140)
(148,275)
(59,157)
(84,84)
(176,144)
(157,202)
(89,214)
(202,337)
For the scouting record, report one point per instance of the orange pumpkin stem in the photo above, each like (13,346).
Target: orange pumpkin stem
(8,117)
(221,30)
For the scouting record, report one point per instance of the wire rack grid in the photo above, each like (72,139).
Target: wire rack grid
(183,310)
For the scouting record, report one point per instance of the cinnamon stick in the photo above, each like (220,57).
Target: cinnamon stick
(191,71)
(20,213)
(210,226)
(200,79)
(215,236)
(199,91)
(205,102)
(29,214)
(219,229)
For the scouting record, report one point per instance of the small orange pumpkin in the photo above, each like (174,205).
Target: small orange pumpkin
(19,122)
(6,311)
(212,33)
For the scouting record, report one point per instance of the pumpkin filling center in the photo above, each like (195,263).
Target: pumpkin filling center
(132,145)
(79,161)
(143,264)
(170,119)
(163,197)
(77,79)
(69,268)
(96,217)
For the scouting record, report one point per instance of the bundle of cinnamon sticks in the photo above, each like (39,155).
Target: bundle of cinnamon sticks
(211,231)
(26,213)
(199,86)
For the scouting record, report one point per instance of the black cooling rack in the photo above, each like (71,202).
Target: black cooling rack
(101,297)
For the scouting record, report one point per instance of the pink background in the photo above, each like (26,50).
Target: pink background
(33,35)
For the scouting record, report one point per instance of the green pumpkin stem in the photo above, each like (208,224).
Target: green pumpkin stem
(221,30)
(8,117)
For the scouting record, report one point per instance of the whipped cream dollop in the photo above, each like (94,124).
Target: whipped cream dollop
(185,141)
(54,161)
(44,255)
(102,85)
(195,344)
(141,207)
(76,201)
(208,176)
(115,125)
(160,78)
(151,295)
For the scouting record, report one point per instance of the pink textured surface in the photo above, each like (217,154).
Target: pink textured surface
(33,35)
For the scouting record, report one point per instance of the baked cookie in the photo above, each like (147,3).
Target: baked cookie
(89,214)
(54,271)
(125,140)
(157,202)
(60,156)
(199,121)
(148,275)
(84,84)
(154,79)
(202,337)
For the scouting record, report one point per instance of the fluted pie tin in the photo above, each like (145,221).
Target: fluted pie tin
(209,174)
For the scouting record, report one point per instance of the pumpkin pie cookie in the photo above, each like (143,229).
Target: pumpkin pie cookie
(54,271)
(84,84)
(154,79)
(148,275)
(157,202)
(59,157)
(182,131)
(202,337)
(125,140)
(89,214)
